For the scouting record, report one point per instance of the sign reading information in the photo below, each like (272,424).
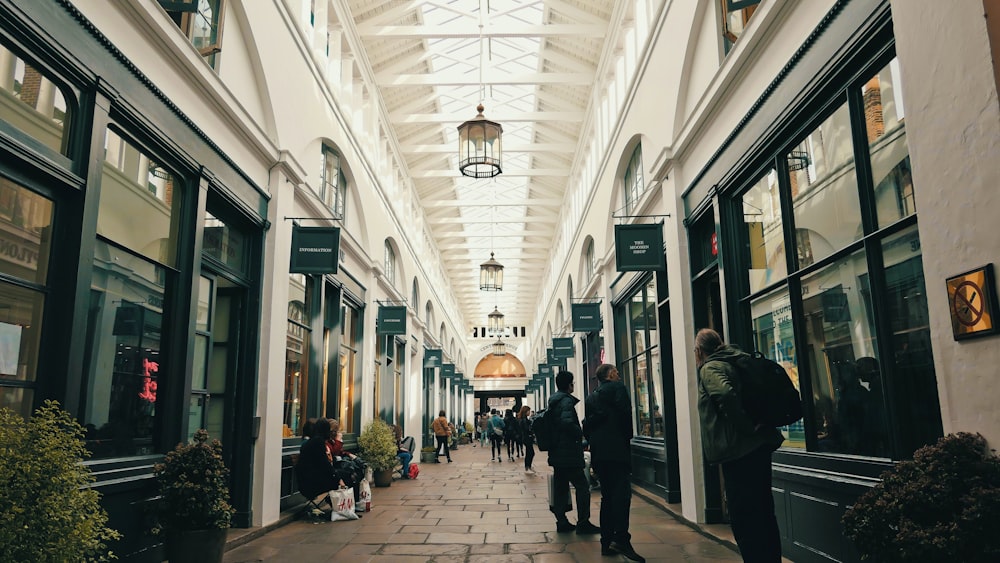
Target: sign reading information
(639,248)
(391,319)
(315,250)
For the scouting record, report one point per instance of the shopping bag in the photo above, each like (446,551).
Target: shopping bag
(343,504)
(365,496)
(368,473)
(553,501)
(414,471)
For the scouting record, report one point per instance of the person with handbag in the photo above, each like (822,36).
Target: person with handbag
(315,470)
(566,459)
(442,433)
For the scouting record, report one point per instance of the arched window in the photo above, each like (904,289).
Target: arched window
(429,315)
(415,294)
(441,335)
(560,314)
(333,183)
(390,263)
(633,184)
(569,292)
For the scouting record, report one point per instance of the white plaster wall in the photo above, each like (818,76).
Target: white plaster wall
(953,131)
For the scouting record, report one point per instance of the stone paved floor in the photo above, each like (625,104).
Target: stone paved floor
(475,510)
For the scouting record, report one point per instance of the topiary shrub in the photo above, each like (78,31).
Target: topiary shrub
(48,512)
(194,486)
(944,505)
(377,445)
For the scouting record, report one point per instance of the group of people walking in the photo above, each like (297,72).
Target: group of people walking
(512,432)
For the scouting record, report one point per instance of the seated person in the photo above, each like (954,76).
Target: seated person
(402,451)
(315,469)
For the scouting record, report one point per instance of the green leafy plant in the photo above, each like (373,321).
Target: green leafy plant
(944,505)
(193,486)
(48,512)
(377,445)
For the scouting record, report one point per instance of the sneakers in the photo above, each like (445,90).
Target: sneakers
(586,528)
(626,550)
(529,471)
(564,527)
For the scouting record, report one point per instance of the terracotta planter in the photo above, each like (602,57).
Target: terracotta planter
(382,478)
(196,545)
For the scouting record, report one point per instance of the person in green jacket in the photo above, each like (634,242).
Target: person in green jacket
(730,438)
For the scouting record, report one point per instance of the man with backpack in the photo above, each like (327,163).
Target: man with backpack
(495,430)
(566,458)
(743,447)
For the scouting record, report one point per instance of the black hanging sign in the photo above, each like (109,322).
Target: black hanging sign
(391,319)
(639,248)
(563,348)
(544,370)
(448,370)
(315,250)
(586,317)
(432,358)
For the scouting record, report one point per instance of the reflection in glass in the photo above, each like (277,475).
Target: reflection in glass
(224,243)
(916,400)
(139,201)
(123,361)
(824,190)
(890,155)
(762,216)
(32,103)
(296,357)
(843,359)
(17,399)
(774,338)
(25,221)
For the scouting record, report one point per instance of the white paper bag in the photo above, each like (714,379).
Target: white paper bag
(365,498)
(343,505)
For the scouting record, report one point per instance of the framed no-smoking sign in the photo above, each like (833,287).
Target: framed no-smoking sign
(972,302)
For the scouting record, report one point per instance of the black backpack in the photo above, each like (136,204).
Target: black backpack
(541,426)
(767,393)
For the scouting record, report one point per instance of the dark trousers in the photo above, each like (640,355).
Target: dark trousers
(561,479)
(496,445)
(529,455)
(442,443)
(751,507)
(616,500)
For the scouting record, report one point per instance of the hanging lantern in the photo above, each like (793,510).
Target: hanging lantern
(499,348)
(491,275)
(496,324)
(479,150)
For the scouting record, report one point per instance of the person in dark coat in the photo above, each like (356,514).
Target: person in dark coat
(742,448)
(608,429)
(566,459)
(315,470)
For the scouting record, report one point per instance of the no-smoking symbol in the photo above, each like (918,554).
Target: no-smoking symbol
(968,303)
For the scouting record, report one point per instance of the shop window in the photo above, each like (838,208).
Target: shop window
(201,22)
(225,244)
(762,216)
(885,126)
(349,384)
(139,201)
(633,186)
(124,354)
(333,183)
(638,338)
(774,337)
(26,219)
(297,340)
(824,190)
(32,103)
(735,16)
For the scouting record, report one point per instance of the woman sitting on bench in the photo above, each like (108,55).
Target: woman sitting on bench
(315,469)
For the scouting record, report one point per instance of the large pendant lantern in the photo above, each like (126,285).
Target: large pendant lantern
(496,324)
(491,275)
(499,348)
(479,150)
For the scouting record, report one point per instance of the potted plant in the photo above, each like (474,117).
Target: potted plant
(193,507)
(48,512)
(944,505)
(377,446)
(428,454)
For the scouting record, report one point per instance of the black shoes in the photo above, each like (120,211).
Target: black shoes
(625,549)
(449,461)
(586,528)
(564,527)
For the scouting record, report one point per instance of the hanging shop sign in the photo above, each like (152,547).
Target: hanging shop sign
(586,317)
(315,250)
(432,359)
(391,319)
(563,348)
(639,248)
(553,360)
(448,370)
(544,370)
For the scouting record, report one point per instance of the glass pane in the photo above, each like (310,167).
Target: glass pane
(840,345)
(32,103)
(139,200)
(890,156)
(824,190)
(916,398)
(225,244)
(196,414)
(202,320)
(20,331)
(762,216)
(123,357)
(25,221)
(773,330)
(205,25)
(198,376)
(296,357)
(18,399)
